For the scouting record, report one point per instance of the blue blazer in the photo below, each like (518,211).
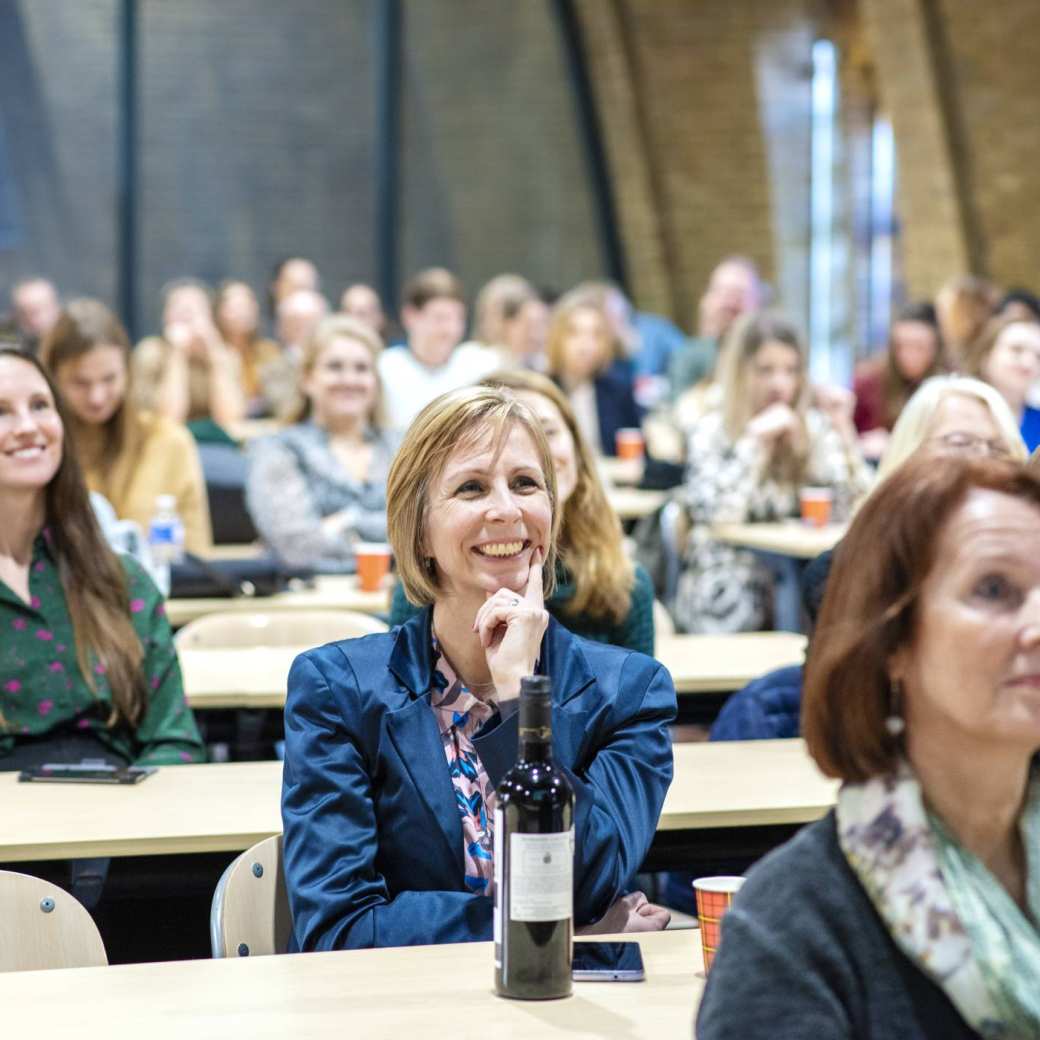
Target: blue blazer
(373,837)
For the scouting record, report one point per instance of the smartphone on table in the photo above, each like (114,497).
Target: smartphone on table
(607,962)
(85,773)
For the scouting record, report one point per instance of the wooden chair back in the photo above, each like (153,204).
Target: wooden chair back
(249,916)
(43,926)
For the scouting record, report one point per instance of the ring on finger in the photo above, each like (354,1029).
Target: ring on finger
(515,602)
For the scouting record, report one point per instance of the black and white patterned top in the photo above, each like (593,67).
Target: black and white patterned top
(295,481)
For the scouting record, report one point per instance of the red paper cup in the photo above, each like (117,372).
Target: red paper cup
(373,564)
(714,896)
(816,504)
(628,443)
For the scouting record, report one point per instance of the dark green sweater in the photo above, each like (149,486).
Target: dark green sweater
(636,632)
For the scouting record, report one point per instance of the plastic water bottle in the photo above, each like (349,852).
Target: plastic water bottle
(165,540)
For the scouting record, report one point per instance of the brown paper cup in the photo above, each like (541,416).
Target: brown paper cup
(714,896)
(373,564)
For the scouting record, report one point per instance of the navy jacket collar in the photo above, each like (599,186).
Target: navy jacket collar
(411,658)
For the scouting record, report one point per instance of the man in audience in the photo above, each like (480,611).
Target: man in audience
(734,288)
(292,274)
(362,302)
(35,307)
(298,315)
(432,361)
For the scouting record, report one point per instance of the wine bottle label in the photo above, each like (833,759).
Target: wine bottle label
(541,876)
(500,892)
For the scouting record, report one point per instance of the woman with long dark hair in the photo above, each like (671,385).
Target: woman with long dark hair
(87,664)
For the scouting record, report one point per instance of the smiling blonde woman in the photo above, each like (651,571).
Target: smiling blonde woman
(395,742)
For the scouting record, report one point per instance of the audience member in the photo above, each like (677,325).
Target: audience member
(490,305)
(734,288)
(649,340)
(407,733)
(35,306)
(584,359)
(949,415)
(912,908)
(432,361)
(748,460)
(237,316)
(87,661)
(957,415)
(188,372)
(291,274)
(884,384)
(1007,356)
(525,332)
(299,314)
(1020,304)
(964,305)
(129,456)
(319,485)
(599,594)
(362,302)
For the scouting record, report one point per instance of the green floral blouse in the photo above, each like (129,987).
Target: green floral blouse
(42,688)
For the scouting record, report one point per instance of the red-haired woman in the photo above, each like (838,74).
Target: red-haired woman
(912,909)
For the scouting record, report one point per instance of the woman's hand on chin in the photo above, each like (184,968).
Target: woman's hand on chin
(511,625)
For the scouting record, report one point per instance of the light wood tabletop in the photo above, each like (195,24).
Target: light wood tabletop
(330,592)
(256,677)
(230,806)
(634,503)
(786,538)
(359,993)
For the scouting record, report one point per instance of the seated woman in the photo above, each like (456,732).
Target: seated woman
(188,373)
(87,664)
(912,908)
(884,384)
(948,415)
(130,457)
(747,461)
(1007,356)
(395,742)
(237,316)
(319,485)
(585,360)
(599,593)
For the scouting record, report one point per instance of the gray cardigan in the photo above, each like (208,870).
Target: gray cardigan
(804,954)
(295,481)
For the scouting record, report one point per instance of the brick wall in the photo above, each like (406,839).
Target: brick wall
(721,95)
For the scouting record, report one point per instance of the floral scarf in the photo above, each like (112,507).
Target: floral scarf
(942,906)
(459,716)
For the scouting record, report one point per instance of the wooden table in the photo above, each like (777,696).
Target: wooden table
(246,430)
(228,807)
(358,993)
(621,472)
(634,503)
(787,538)
(699,664)
(330,592)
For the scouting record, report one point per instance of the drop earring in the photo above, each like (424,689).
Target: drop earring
(894,721)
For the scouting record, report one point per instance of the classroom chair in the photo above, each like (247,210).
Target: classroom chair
(301,628)
(45,927)
(249,916)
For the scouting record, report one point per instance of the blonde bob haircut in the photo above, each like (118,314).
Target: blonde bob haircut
(591,544)
(337,326)
(459,419)
(915,420)
(580,299)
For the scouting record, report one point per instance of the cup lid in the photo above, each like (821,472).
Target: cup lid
(719,883)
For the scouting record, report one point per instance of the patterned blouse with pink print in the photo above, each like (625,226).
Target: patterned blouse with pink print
(43,691)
